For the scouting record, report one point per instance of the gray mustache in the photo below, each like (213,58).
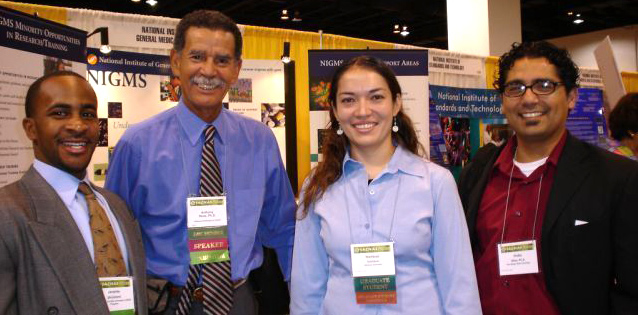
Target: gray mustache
(214,82)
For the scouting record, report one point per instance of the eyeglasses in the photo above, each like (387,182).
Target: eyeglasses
(540,87)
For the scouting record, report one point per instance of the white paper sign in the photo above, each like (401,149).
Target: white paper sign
(206,212)
(372,259)
(118,292)
(517,258)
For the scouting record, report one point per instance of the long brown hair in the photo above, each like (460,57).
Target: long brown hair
(334,146)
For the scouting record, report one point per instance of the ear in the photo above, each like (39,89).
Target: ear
(175,62)
(398,104)
(30,129)
(572,97)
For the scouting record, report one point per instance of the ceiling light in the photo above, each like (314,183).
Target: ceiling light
(105,49)
(136,0)
(151,2)
(570,13)
(396,29)
(578,15)
(578,21)
(104,39)
(285,58)
(284,15)
(405,31)
(296,17)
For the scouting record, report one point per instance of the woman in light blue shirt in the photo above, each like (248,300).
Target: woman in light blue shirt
(373,187)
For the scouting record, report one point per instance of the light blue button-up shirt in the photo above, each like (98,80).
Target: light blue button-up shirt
(156,166)
(66,186)
(433,258)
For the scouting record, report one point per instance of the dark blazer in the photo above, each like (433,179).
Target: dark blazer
(590,268)
(45,266)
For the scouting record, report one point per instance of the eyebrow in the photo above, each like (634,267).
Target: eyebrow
(196,52)
(533,81)
(369,92)
(67,106)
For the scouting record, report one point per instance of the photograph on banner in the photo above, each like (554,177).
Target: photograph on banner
(462,120)
(495,131)
(410,67)
(170,90)
(587,121)
(273,114)
(30,48)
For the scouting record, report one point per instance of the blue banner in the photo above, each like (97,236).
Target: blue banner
(465,103)
(28,33)
(121,61)
(322,63)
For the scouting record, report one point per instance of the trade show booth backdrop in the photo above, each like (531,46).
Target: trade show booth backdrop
(449,80)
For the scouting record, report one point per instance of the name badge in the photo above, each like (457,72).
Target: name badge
(207,224)
(119,295)
(517,258)
(374,273)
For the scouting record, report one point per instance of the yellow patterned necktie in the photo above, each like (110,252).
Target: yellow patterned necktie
(108,257)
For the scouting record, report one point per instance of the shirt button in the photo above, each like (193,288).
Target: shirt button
(367,225)
(371,192)
(506,283)
(518,213)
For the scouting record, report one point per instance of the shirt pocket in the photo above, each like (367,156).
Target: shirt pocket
(245,210)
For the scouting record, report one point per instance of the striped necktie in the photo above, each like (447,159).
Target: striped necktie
(217,286)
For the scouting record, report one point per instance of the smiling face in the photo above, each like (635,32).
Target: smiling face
(365,109)
(64,125)
(537,118)
(206,68)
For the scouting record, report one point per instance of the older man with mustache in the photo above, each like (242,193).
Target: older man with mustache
(207,185)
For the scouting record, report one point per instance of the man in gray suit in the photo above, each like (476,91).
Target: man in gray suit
(53,258)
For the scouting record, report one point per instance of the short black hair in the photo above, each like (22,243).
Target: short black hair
(34,89)
(212,20)
(566,68)
(624,117)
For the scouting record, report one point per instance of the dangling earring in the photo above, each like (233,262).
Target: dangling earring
(339,131)
(395,128)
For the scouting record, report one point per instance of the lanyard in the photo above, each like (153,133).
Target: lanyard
(507,201)
(394,212)
(191,192)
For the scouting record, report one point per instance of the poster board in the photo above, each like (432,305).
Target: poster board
(30,48)
(410,67)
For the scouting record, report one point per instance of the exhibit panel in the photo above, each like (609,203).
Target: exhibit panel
(30,48)
(410,67)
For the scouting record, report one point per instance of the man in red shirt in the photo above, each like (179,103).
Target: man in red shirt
(553,220)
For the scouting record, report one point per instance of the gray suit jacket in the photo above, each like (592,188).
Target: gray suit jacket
(45,267)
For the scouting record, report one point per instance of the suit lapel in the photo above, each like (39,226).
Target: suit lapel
(62,244)
(573,167)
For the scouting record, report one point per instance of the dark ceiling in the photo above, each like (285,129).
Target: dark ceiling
(374,19)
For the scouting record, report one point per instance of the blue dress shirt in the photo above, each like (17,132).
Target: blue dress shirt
(155,167)
(433,258)
(66,186)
